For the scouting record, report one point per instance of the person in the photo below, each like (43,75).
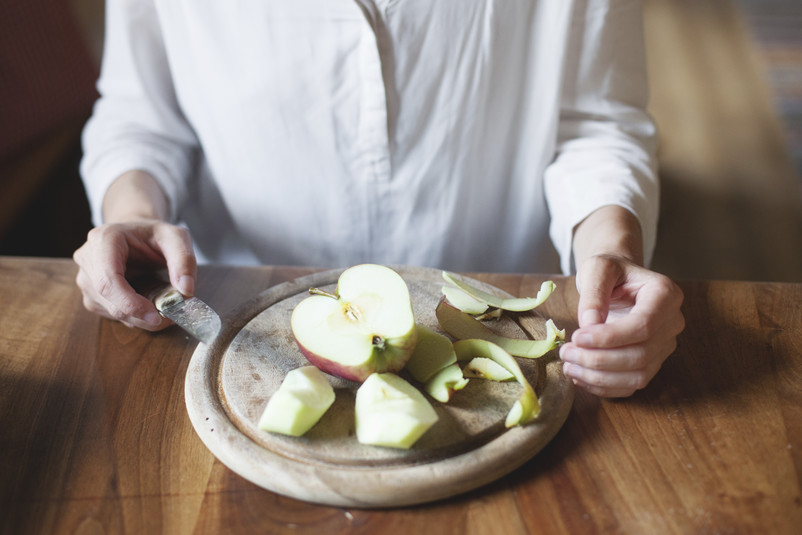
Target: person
(478,135)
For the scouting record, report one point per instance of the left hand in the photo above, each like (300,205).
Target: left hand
(629,319)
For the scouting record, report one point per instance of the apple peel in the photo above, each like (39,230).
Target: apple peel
(485,368)
(527,407)
(513,304)
(443,384)
(464,326)
(463,300)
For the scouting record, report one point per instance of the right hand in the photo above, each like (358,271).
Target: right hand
(115,251)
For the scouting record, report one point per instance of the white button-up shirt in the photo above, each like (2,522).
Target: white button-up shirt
(460,134)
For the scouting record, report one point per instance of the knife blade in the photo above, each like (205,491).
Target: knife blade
(189,313)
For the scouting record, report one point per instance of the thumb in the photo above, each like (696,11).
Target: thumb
(596,280)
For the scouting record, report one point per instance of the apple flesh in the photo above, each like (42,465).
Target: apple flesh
(299,403)
(391,412)
(366,327)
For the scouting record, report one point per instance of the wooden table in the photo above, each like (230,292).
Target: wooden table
(95,436)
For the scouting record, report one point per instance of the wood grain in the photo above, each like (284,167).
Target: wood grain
(96,436)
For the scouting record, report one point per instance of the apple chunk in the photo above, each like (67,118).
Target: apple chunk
(367,326)
(432,353)
(302,399)
(391,412)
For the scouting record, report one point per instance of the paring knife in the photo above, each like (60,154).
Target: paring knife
(189,313)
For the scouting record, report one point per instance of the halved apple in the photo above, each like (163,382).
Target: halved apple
(367,326)
(391,412)
(302,399)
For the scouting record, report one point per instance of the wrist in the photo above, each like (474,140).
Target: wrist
(135,196)
(609,231)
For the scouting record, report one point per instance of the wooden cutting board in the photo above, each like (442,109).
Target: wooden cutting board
(229,382)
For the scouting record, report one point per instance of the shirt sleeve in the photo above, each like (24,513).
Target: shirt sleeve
(137,123)
(606,140)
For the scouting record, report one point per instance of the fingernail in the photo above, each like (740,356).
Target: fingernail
(186,285)
(568,369)
(153,319)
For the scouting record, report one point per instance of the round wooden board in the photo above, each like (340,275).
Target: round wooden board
(229,382)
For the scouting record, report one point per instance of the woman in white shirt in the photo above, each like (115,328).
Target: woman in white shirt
(495,135)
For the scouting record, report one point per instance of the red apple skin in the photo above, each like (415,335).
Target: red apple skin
(361,372)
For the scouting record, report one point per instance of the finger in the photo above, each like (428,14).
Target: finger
(106,284)
(608,384)
(175,245)
(627,358)
(596,282)
(657,308)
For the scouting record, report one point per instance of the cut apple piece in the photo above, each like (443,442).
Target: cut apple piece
(462,326)
(485,368)
(433,352)
(464,301)
(515,304)
(302,399)
(367,326)
(442,385)
(391,412)
(527,407)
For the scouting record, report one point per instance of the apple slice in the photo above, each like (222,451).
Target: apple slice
(518,304)
(367,326)
(527,407)
(485,368)
(463,326)
(299,403)
(391,412)
(432,353)
(443,384)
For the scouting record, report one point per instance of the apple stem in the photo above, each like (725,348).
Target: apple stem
(318,291)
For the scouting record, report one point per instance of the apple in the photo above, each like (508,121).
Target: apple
(391,412)
(365,327)
(299,403)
